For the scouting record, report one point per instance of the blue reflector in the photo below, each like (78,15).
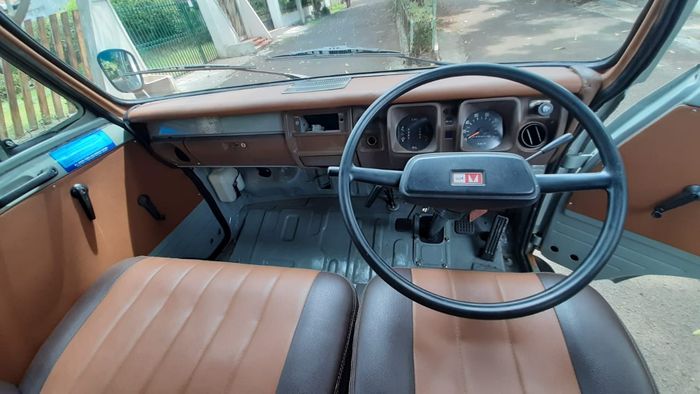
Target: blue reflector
(83,150)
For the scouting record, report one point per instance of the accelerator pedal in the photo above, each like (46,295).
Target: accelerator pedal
(497,229)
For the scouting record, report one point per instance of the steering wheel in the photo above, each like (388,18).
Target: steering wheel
(503,181)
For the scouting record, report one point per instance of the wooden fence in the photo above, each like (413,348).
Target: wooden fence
(28,107)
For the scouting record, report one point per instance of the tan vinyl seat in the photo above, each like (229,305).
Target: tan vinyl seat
(579,346)
(168,325)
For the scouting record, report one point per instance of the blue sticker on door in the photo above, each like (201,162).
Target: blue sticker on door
(83,150)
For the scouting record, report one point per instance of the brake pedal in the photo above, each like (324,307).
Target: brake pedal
(464,226)
(499,226)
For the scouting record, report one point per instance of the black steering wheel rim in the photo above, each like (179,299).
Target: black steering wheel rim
(602,250)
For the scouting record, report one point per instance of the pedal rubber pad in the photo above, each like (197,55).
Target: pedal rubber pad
(464,226)
(497,229)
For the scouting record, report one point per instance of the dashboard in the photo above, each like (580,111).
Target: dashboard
(269,125)
(316,138)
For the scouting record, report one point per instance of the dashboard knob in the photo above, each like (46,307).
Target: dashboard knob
(543,107)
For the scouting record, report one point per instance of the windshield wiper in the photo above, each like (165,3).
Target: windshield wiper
(205,67)
(344,51)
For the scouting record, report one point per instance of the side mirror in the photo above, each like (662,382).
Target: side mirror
(121,69)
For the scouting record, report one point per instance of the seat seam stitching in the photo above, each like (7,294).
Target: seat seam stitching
(218,327)
(352,385)
(116,321)
(510,342)
(453,294)
(346,347)
(182,326)
(148,325)
(232,375)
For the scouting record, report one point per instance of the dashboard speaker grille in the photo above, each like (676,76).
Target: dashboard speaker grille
(532,135)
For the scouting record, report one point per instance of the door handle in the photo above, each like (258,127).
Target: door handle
(81,193)
(689,194)
(146,202)
(42,177)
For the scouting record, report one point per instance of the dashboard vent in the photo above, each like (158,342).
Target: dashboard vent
(317,85)
(532,136)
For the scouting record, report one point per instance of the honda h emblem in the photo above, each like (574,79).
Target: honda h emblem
(468,179)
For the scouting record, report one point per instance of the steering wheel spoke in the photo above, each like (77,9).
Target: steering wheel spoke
(553,183)
(376,176)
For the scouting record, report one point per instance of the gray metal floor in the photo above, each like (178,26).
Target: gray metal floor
(310,233)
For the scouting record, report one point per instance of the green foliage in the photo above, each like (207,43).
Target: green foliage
(422,14)
(72,5)
(260,6)
(291,5)
(337,7)
(152,20)
(111,69)
(422,17)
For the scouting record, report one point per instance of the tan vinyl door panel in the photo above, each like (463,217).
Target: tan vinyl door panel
(50,253)
(660,161)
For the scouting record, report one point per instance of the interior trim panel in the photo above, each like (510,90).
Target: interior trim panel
(39,284)
(652,181)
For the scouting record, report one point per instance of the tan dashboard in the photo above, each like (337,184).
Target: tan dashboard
(264,126)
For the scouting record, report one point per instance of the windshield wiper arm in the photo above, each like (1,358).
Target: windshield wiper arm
(344,51)
(205,67)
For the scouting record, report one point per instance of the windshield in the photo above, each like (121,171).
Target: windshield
(137,49)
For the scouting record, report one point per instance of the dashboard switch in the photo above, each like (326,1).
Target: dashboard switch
(542,107)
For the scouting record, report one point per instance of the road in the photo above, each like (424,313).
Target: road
(368,24)
(507,31)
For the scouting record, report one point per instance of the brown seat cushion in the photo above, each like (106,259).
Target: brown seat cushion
(579,346)
(169,325)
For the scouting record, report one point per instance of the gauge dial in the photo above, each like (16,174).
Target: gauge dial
(482,130)
(414,133)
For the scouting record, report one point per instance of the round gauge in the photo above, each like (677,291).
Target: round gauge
(414,133)
(482,130)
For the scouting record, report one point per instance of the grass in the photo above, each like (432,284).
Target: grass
(337,7)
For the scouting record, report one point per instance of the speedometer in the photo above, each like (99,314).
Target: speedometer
(414,133)
(482,130)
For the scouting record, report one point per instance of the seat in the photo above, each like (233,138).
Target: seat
(579,346)
(168,325)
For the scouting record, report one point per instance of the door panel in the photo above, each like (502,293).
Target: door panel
(659,140)
(50,253)
(660,162)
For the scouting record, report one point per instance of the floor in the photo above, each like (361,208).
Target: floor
(310,233)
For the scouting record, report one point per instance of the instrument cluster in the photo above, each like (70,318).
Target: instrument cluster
(509,124)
